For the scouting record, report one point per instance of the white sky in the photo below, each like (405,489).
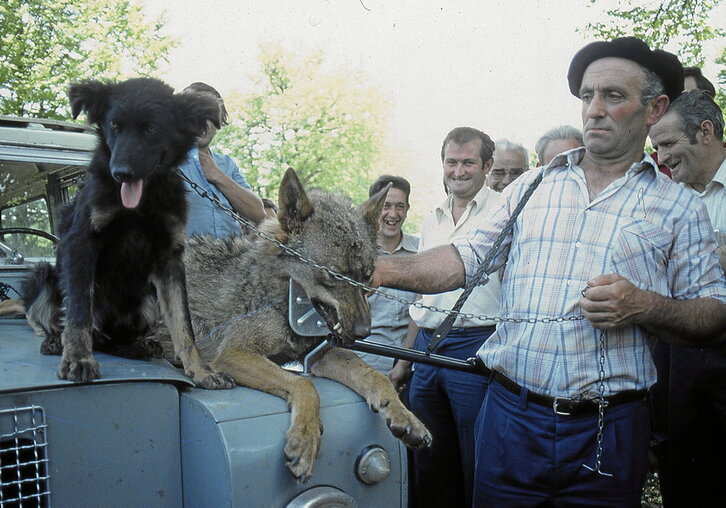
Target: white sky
(497,65)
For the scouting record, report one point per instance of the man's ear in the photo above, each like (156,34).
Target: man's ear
(707,133)
(295,206)
(488,165)
(658,106)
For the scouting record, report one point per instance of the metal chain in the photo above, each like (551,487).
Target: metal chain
(601,405)
(292,252)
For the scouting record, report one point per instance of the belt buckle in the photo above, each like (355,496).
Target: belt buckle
(555,408)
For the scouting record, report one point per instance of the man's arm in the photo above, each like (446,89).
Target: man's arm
(611,301)
(244,201)
(431,271)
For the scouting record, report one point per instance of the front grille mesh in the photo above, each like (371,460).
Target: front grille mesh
(23,458)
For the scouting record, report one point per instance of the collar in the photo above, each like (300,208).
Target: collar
(479,200)
(409,243)
(574,158)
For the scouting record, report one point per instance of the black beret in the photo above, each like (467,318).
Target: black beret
(664,64)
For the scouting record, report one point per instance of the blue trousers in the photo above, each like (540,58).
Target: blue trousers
(528,456)
(447,402)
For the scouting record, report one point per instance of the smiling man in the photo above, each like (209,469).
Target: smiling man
(689,140)
(389,318)
(448,401)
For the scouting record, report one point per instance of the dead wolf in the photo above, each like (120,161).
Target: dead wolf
(122,238)
(238,300)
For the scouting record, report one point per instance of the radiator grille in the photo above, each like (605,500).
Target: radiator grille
(23,458)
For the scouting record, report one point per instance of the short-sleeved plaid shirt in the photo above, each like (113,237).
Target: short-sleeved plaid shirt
(643,226)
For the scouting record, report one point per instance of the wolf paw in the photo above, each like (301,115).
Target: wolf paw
(83,370)
(301,450)
(51,346)
(214,381)
(404,425)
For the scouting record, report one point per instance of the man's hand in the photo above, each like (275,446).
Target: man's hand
(399,374)
(611,301)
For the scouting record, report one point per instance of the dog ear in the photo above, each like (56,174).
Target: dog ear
(371,208)
(93,97)
(196,109)
(295,207)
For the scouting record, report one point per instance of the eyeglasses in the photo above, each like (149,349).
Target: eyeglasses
(499,173)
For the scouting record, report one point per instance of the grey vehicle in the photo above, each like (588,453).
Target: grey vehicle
(142,435)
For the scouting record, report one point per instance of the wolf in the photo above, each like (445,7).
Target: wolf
(238,300)
(120,255)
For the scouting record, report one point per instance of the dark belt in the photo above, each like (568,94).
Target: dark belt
(491,328)
(570,407)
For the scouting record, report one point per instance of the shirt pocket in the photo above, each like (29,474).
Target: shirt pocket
(640,254)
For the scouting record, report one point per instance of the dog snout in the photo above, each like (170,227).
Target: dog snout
(123,175)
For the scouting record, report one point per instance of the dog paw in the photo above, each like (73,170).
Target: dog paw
(152,348)
(51,346)
(83,370)
(301,450)
(404,425)
(214,381)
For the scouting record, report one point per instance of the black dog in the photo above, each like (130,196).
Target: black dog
(120,254)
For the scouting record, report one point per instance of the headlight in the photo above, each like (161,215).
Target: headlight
(373,465)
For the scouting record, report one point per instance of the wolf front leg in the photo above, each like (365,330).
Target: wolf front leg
(303,435)
(346,367)
(173,302)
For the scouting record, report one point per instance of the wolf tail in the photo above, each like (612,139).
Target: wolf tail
(43,301)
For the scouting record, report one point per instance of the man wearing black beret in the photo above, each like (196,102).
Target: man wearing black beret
(607,255)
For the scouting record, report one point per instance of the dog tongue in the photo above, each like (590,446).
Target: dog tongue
(131,193)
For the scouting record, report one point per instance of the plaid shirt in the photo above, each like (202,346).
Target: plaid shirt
(643,226)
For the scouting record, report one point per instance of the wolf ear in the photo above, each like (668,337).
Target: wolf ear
(196,109)
(295,207)
(371,208)
(93,97)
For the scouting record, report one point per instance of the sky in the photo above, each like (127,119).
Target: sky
(497,65)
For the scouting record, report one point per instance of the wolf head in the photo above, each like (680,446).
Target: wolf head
(145,127)
(329,230)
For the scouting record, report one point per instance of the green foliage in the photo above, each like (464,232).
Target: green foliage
(325,125)
(47,44)
(682,24)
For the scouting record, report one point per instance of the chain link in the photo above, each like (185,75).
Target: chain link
(339,276)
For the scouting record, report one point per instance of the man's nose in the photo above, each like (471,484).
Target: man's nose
(595,109)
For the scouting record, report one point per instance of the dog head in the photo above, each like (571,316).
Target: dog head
(327,229)
(145,128)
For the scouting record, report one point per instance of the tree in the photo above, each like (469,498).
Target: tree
(47,44)
(326,125)
(681,24)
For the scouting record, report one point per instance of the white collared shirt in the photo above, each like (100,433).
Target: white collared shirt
(439,229)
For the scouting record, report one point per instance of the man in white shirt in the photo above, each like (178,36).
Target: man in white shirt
(447,401)
(689,140)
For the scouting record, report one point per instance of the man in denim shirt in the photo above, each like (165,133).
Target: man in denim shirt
(217,174)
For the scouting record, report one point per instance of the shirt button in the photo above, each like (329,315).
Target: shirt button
(578,245)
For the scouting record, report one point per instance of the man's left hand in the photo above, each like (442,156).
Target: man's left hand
(611,301)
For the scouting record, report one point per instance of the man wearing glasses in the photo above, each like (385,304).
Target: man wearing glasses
(510,161)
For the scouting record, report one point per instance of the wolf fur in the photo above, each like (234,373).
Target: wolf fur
(238,300)
(119,258)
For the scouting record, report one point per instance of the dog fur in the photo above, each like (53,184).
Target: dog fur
(120,255)
(238,300)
